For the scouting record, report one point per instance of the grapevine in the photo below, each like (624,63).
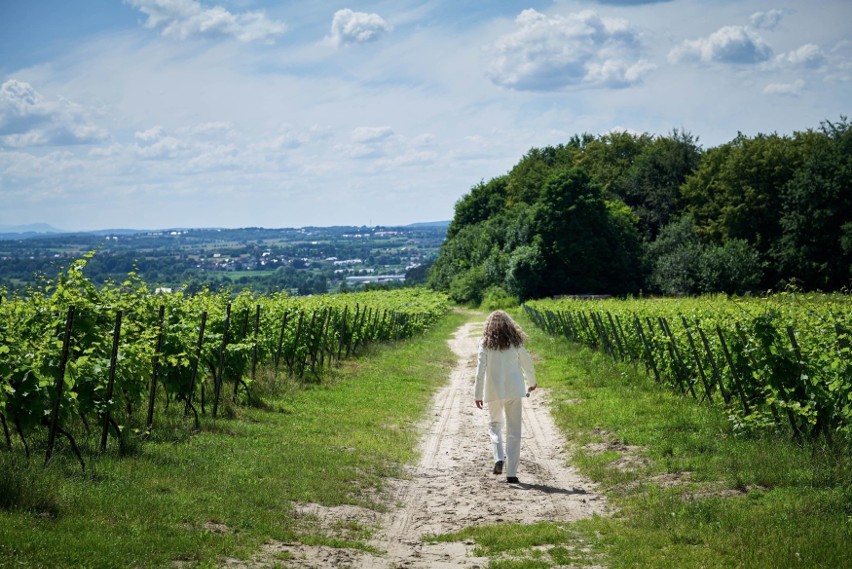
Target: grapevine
(779,362)
(128,348)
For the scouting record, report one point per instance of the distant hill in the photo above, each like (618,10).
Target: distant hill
(430,224)
(30,228)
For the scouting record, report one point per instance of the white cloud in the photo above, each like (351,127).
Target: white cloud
(371,134)
(791,89)
(550,53)
(38,171)
(115,149)
(809,56)
(409,158)
(154,144)
(27,119)
(149,136)
(729,44)
(221,157)
(349,28)
(766,20)
(369,142)
(188,18)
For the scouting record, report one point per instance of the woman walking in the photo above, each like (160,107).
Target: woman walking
(502,367)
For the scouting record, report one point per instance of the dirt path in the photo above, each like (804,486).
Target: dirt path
(452,486)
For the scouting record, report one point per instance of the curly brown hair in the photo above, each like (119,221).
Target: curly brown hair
(501,332)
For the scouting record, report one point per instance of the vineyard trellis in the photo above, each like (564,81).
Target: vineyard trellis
(780,361)
(72,353)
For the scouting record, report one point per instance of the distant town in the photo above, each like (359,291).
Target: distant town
(299,261)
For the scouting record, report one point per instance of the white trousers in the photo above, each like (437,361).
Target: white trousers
(506,412)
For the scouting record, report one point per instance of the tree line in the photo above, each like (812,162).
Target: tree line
(625,213)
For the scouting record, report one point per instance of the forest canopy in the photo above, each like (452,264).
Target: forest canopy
(625,213)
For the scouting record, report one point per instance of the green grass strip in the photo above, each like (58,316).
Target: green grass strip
(228,489)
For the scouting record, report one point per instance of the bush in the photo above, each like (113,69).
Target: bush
(496,298)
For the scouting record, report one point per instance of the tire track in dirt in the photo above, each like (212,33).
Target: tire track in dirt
(452,486)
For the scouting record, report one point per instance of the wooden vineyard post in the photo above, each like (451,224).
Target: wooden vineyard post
(366,315)
(681,365)
(650,363)
(342,332)
(280,342)
(351,339)
(718,376)
(60,386)
(111,384)
(254,346)
(821,422)
(655,347)
(194,376)
(374,334)
(600,342)
(615,333)
(243,332)
(624,341)
(696,358)
(156,373)
(318,355)
(587,328)
(730,361)
(217,382)
(381,327)
(291,361)
(575,334)
(303,360)
(773,382)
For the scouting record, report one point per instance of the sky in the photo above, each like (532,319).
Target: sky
(152,114)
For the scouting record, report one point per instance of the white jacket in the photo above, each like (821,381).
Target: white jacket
(500,374)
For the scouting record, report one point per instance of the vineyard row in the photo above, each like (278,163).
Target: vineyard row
(785,363)
(72,354)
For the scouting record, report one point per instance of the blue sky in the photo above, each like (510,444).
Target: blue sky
(234,113)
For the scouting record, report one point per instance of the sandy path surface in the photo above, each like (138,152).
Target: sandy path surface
(452,487)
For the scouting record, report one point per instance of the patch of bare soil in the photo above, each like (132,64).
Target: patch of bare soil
(452,487)
(630,461)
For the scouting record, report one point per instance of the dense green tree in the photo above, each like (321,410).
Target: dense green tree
(672,258)
(526,271)
(682,263)
(736,192)
(611,158)
(815,248)
(734,267)
(485,200)
(573,227)
(466,250)
(526,179)
(417,275)
(622,212)
(570,240)
(652,185)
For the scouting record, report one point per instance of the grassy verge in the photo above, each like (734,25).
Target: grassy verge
(228,489)
(688,493)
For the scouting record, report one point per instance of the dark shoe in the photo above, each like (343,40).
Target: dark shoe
(498,467)
(512,480)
